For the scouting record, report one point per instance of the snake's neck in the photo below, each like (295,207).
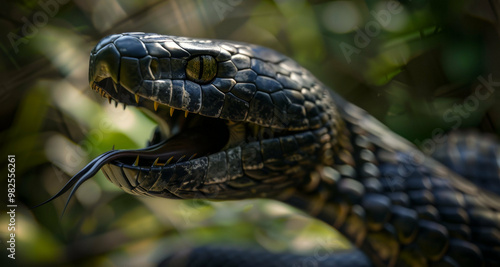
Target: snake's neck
(346,173)
(337,189)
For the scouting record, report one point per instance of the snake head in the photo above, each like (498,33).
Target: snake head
(219,79)
(236,120)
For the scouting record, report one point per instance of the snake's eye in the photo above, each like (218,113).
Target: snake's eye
(201,69)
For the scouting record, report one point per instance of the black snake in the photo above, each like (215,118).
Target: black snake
(241,121)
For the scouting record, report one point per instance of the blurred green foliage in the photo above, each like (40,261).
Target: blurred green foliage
(408,65)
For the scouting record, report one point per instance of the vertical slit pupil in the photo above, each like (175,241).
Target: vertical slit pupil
(201,69)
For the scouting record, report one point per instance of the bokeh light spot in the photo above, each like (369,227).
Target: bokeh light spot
(341,17)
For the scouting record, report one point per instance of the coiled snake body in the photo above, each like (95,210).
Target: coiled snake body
(255,124)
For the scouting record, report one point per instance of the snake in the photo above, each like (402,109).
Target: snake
(239,121)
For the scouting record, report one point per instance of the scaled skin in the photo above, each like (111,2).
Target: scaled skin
(277,132)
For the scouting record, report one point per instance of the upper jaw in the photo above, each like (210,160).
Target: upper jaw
(111,90)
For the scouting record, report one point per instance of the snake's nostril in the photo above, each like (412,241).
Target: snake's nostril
(105,63)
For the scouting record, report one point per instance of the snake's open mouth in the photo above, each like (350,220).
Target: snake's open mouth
(179,136)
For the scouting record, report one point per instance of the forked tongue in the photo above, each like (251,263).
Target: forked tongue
(189,143)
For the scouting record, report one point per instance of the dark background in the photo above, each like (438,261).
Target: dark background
(417,70)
